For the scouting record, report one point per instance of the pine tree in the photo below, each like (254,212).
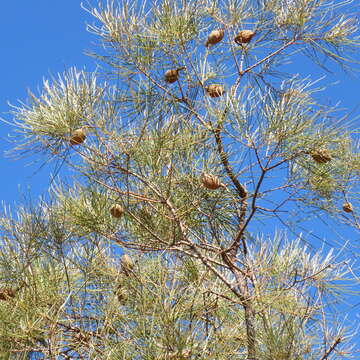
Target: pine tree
(203,160)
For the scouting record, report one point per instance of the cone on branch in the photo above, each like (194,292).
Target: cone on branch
(347,207)
(6,294)
(78,137)
(321,156)
(117,211)
(215,90)
(122,295)
(244,37)
(127,263)
(172,75)
(210,181)
(215,37)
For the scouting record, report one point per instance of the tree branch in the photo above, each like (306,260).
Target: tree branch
(331,348)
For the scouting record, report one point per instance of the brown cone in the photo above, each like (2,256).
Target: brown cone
(244,37)
(171,76)
(321,156)
(127,263)
(215,37)
(211,182)
(77,137)
(215,90)
(347,207)
(116,211)
(6,293)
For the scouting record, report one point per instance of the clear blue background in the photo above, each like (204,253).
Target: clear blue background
(44,37)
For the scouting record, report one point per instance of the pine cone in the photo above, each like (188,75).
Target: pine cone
(172,75)
(321,156)
(117,211)
(215,90)
(127,263)
(347,207)
(6,293)
(211,182)
(215,37)
(78,137)
(244,37)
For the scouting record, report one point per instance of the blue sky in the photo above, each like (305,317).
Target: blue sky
(42,37)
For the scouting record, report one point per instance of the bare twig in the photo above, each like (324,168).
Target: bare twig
(331,348)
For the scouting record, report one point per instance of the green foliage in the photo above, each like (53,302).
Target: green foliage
(214,277)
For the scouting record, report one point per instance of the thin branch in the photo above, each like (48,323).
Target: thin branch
(331,348)
(276,52)
(225,161)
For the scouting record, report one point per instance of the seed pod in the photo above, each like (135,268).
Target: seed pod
(172,75)
(215,90)
(347,207)
(321,156)
(6,294)
(117,211)
(122,295)
(127,263)
(211,182)
(214,37)
(77,137)
(244,37)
